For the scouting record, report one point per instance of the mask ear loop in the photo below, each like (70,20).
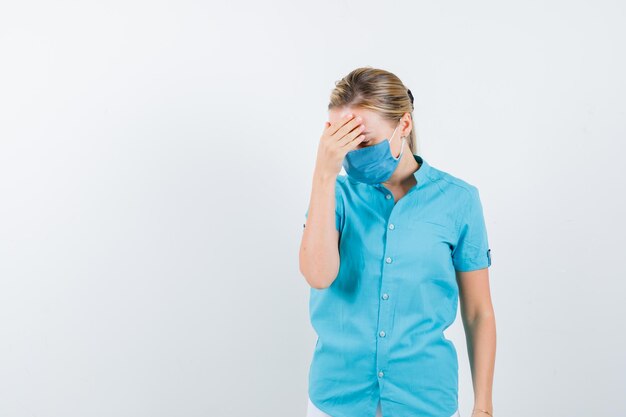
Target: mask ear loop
(394,132)
(401,147)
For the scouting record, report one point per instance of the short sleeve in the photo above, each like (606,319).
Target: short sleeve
(339,209)
(472,250)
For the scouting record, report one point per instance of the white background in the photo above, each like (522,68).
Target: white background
(155,166)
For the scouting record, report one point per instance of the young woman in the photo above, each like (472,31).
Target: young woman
(388,250)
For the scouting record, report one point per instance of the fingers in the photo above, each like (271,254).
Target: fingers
(346,132)
(343,126)
(356,139)
(355,135)
(332,128)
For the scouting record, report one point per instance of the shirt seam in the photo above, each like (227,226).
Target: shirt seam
(467,188)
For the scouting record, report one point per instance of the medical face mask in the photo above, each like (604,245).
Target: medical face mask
(372,164)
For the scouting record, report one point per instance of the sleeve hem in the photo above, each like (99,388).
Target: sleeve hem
(472,264)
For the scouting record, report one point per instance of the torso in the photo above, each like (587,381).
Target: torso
(395,293)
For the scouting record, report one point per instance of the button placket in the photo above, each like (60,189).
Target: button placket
(385,308)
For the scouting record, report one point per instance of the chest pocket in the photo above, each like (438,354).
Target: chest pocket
(430,244)
(432,230)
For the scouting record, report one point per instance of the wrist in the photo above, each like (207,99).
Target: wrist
(324,177)
(482,412)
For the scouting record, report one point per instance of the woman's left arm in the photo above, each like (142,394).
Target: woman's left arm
(480,333)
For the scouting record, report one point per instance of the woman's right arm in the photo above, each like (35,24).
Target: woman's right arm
(319,248)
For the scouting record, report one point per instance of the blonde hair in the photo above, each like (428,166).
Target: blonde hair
(377,90)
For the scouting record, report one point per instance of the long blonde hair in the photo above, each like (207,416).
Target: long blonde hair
(377,90)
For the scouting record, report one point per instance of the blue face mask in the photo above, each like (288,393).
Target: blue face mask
(372,164)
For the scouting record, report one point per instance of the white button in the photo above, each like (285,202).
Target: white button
(385,296)
(380,374)
(388,260)
(391,226)
(388,196)
(382,334)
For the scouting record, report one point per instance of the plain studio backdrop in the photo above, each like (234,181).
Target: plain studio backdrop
(156,160)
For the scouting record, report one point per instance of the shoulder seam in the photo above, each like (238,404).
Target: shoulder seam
(468,191)
(454,181)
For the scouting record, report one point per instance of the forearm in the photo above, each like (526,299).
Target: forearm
(481,345)
(319,252)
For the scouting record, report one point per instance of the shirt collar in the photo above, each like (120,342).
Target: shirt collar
(422,173)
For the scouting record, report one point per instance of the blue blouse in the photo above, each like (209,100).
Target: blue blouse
(380,323)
